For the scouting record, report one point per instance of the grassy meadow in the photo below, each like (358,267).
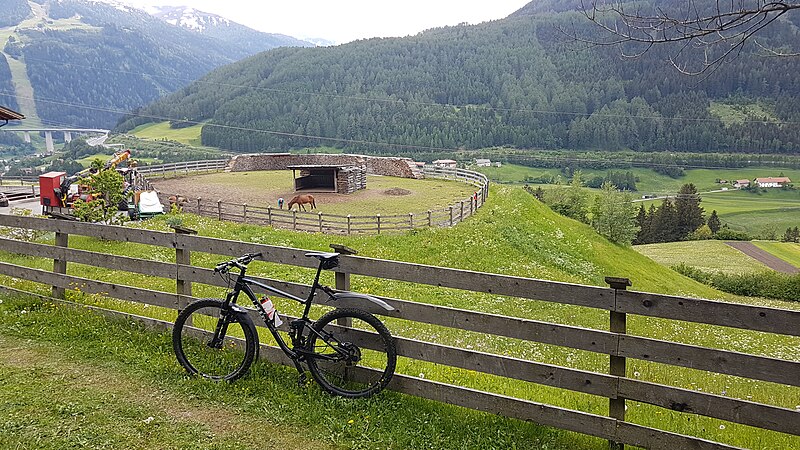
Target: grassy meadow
(787,251)
(161,130)
(710,256)
(513,234)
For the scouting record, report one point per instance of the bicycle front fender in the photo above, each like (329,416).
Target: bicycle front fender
(355,298)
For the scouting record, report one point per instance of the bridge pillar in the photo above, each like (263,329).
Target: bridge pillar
(67,137)
(26,136)
(48,139)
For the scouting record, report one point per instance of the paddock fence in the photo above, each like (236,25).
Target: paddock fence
(456,212)
(617,344)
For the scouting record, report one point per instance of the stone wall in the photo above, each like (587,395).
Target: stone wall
(376,165)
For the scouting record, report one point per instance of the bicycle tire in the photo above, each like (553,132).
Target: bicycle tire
(192,338)
(340,376)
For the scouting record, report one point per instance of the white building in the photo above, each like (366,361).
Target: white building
(483,162)
(772,182)
(445,163)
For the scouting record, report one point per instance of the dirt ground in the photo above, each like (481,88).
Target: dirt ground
(254,195)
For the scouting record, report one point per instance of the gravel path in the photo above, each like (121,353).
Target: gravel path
(769,260)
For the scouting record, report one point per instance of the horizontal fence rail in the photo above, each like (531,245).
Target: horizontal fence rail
(615,342)
(451,215)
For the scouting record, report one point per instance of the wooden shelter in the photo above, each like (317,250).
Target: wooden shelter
(342,179)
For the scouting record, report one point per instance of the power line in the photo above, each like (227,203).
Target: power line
(374,143)
(418,103)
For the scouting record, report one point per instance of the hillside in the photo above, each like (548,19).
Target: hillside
(512,82)
(89,61)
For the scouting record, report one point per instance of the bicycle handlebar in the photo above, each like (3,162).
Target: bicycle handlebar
(239,263)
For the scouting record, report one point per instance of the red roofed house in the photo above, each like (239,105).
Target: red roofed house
(772,181)
(741,183)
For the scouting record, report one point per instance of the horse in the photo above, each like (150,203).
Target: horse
(178,201)
(301,200)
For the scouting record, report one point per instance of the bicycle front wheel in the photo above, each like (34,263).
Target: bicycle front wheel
(353,361)
(214,341)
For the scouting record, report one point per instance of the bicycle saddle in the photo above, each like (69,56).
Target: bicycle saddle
(323,256)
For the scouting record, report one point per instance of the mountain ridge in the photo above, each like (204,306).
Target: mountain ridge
(511,82)
(91,61)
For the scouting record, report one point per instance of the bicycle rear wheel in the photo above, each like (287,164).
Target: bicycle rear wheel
(214,341)
(357,361)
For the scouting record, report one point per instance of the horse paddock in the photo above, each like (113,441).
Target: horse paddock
(383,195)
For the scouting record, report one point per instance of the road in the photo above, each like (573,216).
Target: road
(769,260)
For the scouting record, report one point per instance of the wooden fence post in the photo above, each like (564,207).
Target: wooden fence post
(244,207)
(319,216)
(198,206)
(343,279)
(617,364)
(461,218)
(294,220)
(411,220)
(269,215)
(430,222)
(219,209)
(472,205)
(60,265)
(451,215)
(348,224)
(183,257)
(379,223)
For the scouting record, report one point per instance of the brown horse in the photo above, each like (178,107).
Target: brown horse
(301,200)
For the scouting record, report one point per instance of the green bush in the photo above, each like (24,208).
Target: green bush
(726,234)
(768,284)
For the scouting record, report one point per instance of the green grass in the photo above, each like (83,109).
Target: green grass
(771,212)
(649,182)
(161,130)
(787,251)
(732,114)
(710,256)
(74,379)
(86,161)
(513,234)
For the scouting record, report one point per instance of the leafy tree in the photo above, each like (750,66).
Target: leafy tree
(713,222)
(614,215)
(791,235)
(689,214)
(701,234)
(106,187)
(644,226)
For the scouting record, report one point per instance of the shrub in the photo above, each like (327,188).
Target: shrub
(726,234)
(769,284)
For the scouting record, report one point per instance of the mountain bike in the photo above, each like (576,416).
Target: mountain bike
(348,351)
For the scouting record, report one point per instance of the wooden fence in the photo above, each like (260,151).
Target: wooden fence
(615,385)
(454,213)
(183,168)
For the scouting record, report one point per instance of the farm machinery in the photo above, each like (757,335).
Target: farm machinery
(59,192)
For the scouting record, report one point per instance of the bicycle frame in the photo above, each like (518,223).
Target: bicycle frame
(297,353)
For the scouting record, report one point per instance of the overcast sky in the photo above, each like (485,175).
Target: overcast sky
(347,20)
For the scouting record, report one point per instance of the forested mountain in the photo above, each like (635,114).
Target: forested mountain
(88,61)
(512,82)
(246,39)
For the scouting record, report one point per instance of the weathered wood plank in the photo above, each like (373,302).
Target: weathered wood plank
(282,255)
(121,292)
(725,408)
(712,360)
(136,265)
(641,436)
(759,318)
(552,291)
(540,413)
(109,232)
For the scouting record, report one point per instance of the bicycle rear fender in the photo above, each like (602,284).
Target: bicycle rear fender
(356,298)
